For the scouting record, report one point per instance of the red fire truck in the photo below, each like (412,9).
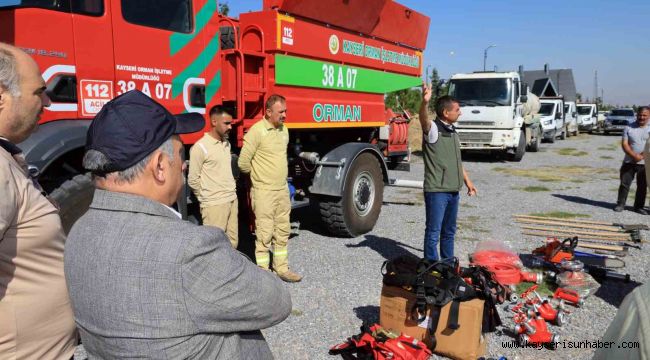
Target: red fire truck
(333,60)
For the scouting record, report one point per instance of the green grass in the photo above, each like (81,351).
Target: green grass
(606,157)
(555,173)
(578,181)
(534,189)
(571,152)
(561,215)
(296,312)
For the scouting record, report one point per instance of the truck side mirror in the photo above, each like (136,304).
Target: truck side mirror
(524,90)
(573,114)
(558,116)
(523,98)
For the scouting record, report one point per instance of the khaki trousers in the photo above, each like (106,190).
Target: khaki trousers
(272,208)
(223,216)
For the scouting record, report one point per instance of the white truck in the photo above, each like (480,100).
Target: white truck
(551,113)
(571,118)
(498,113)
(588,117)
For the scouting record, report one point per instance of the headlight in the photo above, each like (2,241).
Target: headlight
(547,122)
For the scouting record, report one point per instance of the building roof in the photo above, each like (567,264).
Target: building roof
(554,83)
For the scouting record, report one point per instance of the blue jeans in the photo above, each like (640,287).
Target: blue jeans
(441,211)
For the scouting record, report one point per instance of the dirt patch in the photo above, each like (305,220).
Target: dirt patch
(556,173)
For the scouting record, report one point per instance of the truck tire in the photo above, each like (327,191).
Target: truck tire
(73,197)
(534,145)
(563,134)
(227,37)
(521,148)
(356,212)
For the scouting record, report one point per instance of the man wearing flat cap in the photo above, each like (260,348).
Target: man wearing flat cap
(143,282)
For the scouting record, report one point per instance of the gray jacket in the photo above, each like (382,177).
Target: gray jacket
(146,284)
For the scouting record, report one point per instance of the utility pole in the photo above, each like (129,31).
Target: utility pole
(596,86)
(485,55)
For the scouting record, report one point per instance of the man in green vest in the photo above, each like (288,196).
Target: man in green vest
(443,173)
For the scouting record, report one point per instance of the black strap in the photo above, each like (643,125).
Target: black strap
(452,321)
(10,147)
(433,325)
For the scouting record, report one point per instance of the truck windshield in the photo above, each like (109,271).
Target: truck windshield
(584,110)
(622,112)
(546,109)
(484,92)
(87,7)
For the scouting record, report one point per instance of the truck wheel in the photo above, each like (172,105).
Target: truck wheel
(227,37)
(521,148)
(73,197)
(563,134)
(356,212)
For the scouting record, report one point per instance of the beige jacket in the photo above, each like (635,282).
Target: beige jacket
(36,320)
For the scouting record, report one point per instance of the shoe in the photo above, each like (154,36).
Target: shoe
(619,208)
(641,211)
(289,276)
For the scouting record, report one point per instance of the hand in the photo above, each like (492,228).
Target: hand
(471,189)
(426,92)
(639,157)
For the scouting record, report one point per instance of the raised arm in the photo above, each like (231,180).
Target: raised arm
(425,122)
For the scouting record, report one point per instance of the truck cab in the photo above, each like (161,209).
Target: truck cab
(493,113)
(571,118)
(588,117)
(551,112)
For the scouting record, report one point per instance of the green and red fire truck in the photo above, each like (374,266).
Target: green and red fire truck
(333,60)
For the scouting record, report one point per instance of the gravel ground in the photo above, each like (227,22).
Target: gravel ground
(342,281)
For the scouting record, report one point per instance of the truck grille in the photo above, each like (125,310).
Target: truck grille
(476,123)
(475,137)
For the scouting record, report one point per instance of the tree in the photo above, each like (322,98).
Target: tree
(407,99)
(224,9)
(438,89)
(578,97)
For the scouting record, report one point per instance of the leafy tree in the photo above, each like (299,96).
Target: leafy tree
(407,99)
(224,9)
(578,97)
(437,88)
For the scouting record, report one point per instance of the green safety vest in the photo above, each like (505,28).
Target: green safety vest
(443,169)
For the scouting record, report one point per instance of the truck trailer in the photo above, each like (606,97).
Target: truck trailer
(332,60)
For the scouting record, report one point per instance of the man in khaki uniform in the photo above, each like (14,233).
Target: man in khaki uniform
(264,157)
(210,175)
(36,320)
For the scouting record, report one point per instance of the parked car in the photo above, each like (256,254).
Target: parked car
(618,119)
(551,114)
(588,118)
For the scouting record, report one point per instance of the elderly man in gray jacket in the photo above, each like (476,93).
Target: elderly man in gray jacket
(143,282)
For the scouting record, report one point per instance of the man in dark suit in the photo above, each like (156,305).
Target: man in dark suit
(143,282)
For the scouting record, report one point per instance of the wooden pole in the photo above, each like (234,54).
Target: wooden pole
(609,235)
(566,224)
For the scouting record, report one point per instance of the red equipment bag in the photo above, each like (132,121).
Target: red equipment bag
(375,343)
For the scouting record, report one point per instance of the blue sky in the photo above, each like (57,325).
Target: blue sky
(612,37)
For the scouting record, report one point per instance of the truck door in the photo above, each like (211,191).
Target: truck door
(149,38)
(93,47)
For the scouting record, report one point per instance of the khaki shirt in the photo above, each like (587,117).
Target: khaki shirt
(264,156)
(210,174)
(36,320)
